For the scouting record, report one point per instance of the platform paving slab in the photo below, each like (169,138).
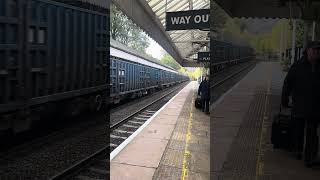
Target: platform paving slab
(158,151)
(242,129)
(198,158)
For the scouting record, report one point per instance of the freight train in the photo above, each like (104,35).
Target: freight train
(53,60)
(225,54)
(133,74)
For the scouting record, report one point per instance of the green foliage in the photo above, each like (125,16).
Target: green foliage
(236,30)
(125,31)
(270,42)
(285,64)
(195,74)
(169,61)
(219,18)
(183,71)
(241,24)
(299,33)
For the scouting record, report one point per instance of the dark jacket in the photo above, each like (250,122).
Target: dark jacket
(204,90)
(303,83)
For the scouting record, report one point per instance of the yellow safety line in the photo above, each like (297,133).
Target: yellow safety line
(187,153)
(260,163)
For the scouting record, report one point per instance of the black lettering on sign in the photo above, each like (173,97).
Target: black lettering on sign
(183,20)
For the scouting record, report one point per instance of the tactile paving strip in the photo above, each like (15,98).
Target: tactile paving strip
(242,157)
(173,158)
(199,147)
(177,145)
(167,173)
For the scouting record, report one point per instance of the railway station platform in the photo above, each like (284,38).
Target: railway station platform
(174,145)
(242,121)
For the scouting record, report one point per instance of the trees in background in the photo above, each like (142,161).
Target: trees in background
(219,17)
(123,29)
(169,61)
(193,73)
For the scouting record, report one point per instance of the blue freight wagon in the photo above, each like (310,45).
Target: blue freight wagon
(53,58)
(134,74)
(225,54)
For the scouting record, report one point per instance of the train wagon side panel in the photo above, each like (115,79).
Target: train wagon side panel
(52,53)
(64,53)
(113,77)
(12,87)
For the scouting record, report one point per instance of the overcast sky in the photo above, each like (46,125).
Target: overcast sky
(155,50)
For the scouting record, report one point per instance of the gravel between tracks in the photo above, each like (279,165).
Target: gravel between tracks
(44,162)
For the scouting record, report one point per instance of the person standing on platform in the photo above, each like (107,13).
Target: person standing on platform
(204,92)
(303,82)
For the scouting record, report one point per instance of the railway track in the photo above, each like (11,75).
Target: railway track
(94,166)
(91,167)
(220,82)
(223,84)
(120,131)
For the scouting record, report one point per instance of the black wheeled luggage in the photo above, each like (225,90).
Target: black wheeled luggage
(281,130)
(197,103)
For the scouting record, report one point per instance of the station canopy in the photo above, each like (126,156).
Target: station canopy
(149,15)
(271,8)
(188,42)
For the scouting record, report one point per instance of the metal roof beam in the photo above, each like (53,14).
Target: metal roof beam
(161,7)
(197,3)
(184,6)
(200,5)
(168,7)
(178,36)
(158,2)
(182,3)
(141,13)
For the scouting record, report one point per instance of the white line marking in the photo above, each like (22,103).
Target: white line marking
(116,151)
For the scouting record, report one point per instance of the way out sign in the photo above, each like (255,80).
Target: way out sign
(203,56)
(184,20)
